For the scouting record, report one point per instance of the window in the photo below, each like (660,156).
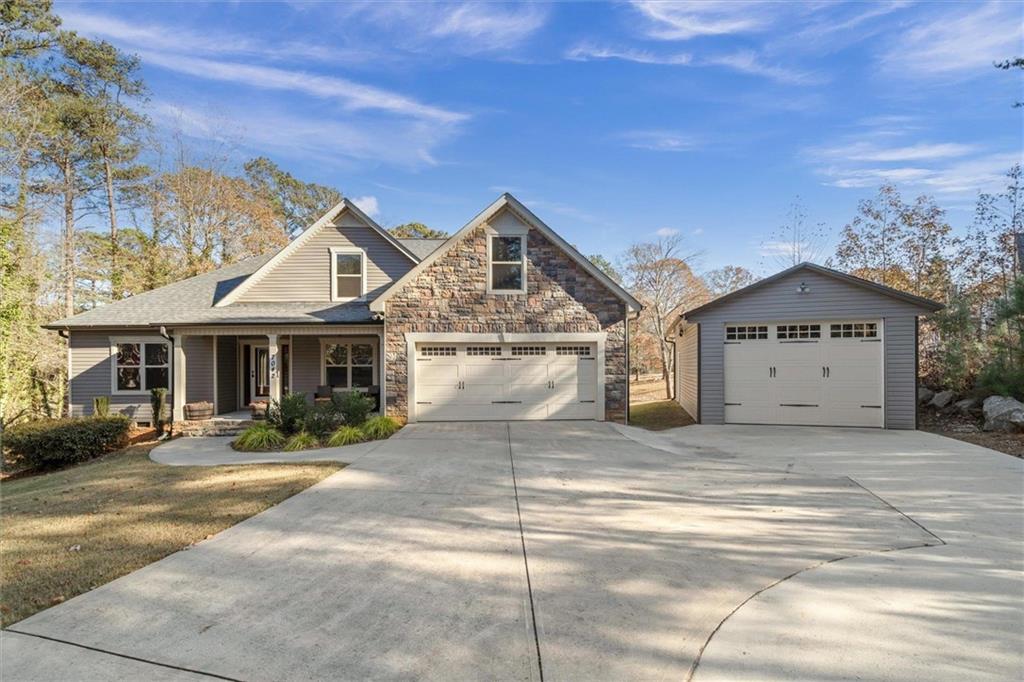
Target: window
(529,350)
(348,274)
(141,365)
(798,331)
(349,365)
(437,351)
(483,350)
(854,330)
(746,333)
(572,350)
(508,263)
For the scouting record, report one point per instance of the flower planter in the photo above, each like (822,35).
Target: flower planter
(198,411)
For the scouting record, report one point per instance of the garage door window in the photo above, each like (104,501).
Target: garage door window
(746,333)
(854,330)
(572,350)
(799,331)
(529,350)
(349,365)
(437,351)
(483,350)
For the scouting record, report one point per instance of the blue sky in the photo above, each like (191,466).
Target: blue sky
(614,122)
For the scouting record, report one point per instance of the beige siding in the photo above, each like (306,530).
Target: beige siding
(305,275)
(198,369)
(227,374)
(687,358)
(92,373)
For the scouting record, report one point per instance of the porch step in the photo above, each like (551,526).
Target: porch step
(212,427)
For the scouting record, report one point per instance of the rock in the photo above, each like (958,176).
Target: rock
(965,406)
(942,398)
(924,395)
(1003,413)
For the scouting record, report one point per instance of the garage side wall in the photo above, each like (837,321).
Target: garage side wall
(827,299)
(451,296)
(687,375)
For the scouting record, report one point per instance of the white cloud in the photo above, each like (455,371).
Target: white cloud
(686,20)
(697,232)
(957,40)
(666,232)
(490,26)
(922,151)
(368,205)
(963,176)
(585,52)
(748,62)
(660,140)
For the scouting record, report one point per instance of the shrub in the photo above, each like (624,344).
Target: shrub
(346,435)
(260,436)
(101,406)
(354,406)
(158,402)
(380,427)
(303,440)
(289,414)
(52,443)
(321,421)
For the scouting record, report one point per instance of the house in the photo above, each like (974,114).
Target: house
(807,346)
(504,320)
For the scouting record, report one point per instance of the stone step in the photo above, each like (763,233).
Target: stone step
(214,427)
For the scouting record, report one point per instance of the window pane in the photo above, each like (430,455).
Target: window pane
(127,354)
(156,354)
(337,377)
(128,379)
(362,377)
(349,287)
(349,264)
(506,248)
(157,377)
(506,277)
(362,354)
(337,354)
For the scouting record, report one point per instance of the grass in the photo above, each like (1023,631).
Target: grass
(658,415)
(345,435)
(378,428)
(69,531)
(259,437)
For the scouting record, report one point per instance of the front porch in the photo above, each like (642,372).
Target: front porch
(233,367)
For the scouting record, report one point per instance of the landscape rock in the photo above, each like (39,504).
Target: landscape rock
(924,394)
(942,398)
(1003,413)
(965,406)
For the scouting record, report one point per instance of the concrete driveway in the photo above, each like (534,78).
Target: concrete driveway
(574,551)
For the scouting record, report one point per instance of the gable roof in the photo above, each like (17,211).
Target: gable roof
(919,301)
(294,245)
(506,201)
(421,248)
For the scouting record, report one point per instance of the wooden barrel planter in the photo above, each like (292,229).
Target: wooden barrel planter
(198,411)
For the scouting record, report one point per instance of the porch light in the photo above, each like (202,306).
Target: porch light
(803,288)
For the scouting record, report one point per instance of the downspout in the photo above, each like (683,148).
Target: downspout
(65,334)
(627,360)
(170,428)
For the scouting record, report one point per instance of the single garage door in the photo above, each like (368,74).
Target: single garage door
(814,373)
(469,381)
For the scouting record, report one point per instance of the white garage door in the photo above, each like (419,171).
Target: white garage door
(481,381)
(827,373)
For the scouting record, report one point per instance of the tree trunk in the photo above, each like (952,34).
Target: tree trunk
(115,272)
(69,238)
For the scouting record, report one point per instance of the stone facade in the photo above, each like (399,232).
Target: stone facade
(451,296)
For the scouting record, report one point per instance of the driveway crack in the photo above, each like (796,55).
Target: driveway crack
(526,561)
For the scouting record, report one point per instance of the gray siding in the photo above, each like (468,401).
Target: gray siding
(198,369)
(827,299)
(305,365)
(686,370)
(91,376)
(305,275)
(227,374)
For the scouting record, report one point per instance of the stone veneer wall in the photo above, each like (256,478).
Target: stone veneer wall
(451,296)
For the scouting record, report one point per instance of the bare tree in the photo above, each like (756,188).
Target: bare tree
(795,241)
(728,279)
(658,273)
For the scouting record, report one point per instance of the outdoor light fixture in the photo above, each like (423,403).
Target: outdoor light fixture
(803,288)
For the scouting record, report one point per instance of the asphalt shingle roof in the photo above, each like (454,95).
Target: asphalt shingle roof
(421,248)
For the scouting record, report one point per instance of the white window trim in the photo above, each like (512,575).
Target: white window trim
(491,235)
(335,251)
(327,341)
(115,340)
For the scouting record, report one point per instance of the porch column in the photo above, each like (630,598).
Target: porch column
(274,359)
(178,383)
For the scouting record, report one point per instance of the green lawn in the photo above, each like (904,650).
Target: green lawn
(658,415)
(66,532)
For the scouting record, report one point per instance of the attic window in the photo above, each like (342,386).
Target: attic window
(507,270)
(348,274)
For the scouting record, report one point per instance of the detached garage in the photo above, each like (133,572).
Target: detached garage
(807,346)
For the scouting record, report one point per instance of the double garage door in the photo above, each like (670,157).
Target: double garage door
(814,373)
(499,381)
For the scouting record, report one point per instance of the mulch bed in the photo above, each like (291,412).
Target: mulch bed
(968,428)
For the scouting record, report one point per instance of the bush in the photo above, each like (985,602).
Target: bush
(321,421)
(380,427)
(258,437)
(998,379)
(51,443)
(303,440)
(354,406)
(346,435)
(288,415)
(101,406)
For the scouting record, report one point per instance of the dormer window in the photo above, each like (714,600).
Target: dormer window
(507,268)
(348,274)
